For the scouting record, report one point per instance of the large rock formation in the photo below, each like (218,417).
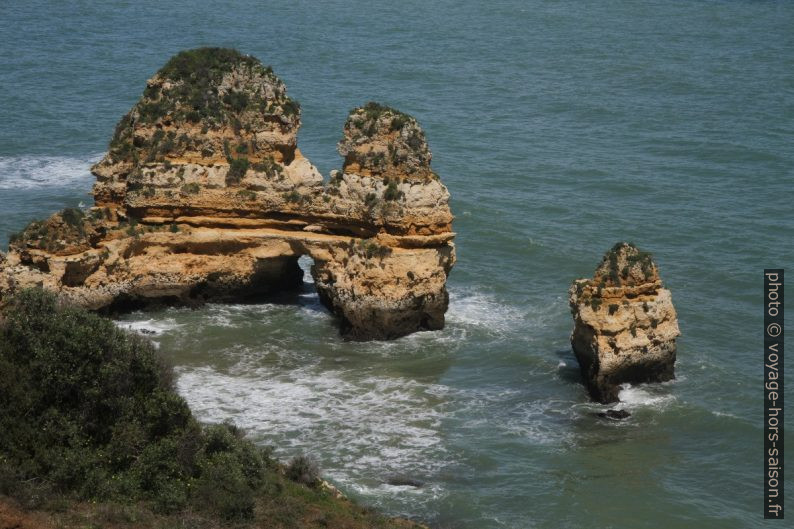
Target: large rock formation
(625,325)
(204,195)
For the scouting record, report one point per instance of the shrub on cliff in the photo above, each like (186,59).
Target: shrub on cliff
(237,169)
(70,227)
(270,167)
(92,432)
(392,192)
(90,410)
(204,63)
(303,469)
(194,94)
(192,188)
(213,87)
(73,217)
(625,264)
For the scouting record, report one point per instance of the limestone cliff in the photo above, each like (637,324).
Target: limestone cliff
(204,196)
(625,325)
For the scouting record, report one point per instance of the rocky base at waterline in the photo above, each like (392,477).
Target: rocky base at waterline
(625,325)
(204,196)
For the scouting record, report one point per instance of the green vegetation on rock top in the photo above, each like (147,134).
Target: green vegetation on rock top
(69,227)
(195,95)
(384,140)
(190,88)
(618,263)
(207,63)
(365,118)
(374,110)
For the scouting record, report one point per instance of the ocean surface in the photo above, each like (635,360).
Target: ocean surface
(560,128)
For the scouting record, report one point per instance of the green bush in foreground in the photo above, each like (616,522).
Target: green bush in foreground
(89,410)
(303,469)
(93,434)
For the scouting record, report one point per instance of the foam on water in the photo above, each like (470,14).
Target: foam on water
(375,426)
(232,315)
(542,422)
(31,172)
(237,315)
(656,396)
(473,308)
(149,326)
(425,344)
(726,414)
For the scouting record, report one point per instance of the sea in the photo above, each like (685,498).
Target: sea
(560,128)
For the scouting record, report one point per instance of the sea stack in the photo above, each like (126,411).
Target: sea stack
(205,196)
(625,325)
(386,183)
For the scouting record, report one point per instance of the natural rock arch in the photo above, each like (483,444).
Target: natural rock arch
(204,195)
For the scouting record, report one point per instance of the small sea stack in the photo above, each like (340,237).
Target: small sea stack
(625,325)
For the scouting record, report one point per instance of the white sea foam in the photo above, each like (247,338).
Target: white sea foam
(643,396)
(374,425)
(367,425)
(240,315)
(149,326)
(474,308)
(234,315)
(731,416)
(30,172)
(540,421)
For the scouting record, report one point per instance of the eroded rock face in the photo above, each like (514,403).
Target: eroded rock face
(204,196)
(625,325)
(386,179)
(382,292)
(214,135)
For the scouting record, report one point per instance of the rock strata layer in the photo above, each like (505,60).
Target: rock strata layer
(625,325)
(204,195)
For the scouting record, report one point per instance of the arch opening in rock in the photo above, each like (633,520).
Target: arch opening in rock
(217,203)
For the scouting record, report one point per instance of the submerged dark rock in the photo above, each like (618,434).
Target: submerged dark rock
(614,414)
(404,481)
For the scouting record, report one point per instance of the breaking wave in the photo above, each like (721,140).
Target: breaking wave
(31,172)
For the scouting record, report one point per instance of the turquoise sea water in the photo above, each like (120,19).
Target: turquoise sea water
(560,127)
